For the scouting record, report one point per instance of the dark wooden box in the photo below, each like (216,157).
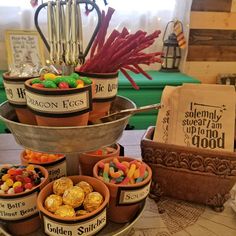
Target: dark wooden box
(191,174)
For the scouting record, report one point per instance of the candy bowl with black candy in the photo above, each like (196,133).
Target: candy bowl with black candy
(73,205)
(19,188)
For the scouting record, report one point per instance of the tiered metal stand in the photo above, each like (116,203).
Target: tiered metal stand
(72,141)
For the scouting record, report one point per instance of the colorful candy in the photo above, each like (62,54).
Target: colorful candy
(18,179)
(122,172)
(53,81)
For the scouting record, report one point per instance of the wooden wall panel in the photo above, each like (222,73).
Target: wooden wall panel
(233,6)
(212,37)
(213,20)
(211,53)
(212,5)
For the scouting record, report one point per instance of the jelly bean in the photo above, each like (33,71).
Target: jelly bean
(17,184)
(38,86)
(131,171)
(27,180)
(11,171)
(49,76)
(49,84)
(63,85)
(37,181)
(10,191)
(4,170)
(30,167)
(9,182)
(28,186)
(86,80)
(1,191)
(5,177)
(36,81)
(19,178)
(4,187)
(74,75)
(18,189)
(18,171)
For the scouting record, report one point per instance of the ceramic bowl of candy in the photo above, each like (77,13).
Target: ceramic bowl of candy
(19,188)
(87,160)
(59,100)
(54,163)
(15,92)
(74,205)
(128,181)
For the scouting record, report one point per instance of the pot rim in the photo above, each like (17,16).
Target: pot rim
(117,148)
(42,209)
(22,156)
(125,158)
(6,76)
(46,176)
(102,75)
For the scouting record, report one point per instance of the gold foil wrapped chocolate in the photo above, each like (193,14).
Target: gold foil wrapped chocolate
(53,202)
(73,196)
(85,186)
(61,185)
(81,212)
(65,211)
(92,201)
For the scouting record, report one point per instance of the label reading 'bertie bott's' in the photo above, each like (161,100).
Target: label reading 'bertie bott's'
(106,88)
(18,208)
(15,92)
(84,228)
(133,195)
(55,104)
(57,171)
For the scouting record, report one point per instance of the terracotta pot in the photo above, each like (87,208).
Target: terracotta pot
(59,107)
(106,85)
(87,160)
(15,92)
(125,200)
(56,225)
(56,169)
(21,215)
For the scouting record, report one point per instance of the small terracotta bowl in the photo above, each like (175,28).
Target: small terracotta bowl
(88,224)
(21,214)
(56,169)
(15,92)
(87,160)
(125,200)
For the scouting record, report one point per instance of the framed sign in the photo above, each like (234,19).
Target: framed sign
(24,47)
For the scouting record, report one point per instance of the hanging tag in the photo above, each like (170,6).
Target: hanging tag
(178,30)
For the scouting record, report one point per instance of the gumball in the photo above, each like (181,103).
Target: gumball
(18,189)
(28,186)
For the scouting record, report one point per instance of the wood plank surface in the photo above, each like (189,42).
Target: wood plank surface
(212,37)
(211,5)
(208,71)
(233,6)
(211,53)
(213,20)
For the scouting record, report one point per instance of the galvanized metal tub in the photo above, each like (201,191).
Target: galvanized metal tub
(67,139)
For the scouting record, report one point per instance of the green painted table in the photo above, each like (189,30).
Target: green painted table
(2,99)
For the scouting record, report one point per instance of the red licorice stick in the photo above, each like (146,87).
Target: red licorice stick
(135,86)
(131,69)
(142,71)
(107,19)
(97,39)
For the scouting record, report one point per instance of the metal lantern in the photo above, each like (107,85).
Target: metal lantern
(171,53)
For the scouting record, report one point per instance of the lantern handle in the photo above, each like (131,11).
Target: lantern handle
(172,21)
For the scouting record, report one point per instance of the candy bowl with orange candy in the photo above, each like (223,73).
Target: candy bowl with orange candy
(54,163)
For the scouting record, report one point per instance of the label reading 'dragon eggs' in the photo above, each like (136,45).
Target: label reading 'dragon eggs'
(56,104)
(57,171)
(89,227)
(106,88)
(131,196)
(18,208)
(15,92)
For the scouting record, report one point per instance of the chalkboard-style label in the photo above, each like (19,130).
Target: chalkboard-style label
(132,195)
(18,208)
(70,228)
(15,92)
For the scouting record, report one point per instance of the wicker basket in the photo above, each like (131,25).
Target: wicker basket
(191,174)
